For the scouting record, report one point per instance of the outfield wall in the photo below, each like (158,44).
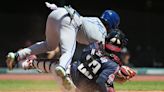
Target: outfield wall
(150,71)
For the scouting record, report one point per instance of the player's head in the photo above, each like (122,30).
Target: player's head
(115,40)
(111,18)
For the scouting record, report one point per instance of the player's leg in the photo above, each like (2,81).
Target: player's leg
(13,58)
(107,75)
(67,29)
(52,36)
(68,44)
(52,41)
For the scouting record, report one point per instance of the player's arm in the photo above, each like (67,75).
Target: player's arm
(39,47)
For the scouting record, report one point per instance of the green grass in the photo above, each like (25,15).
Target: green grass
(27,85)
(141,86)
(51,85)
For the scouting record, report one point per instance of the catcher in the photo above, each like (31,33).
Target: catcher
(100,64)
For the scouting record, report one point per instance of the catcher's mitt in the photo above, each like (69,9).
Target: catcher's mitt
(125,73)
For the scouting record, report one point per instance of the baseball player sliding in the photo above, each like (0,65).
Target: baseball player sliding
(63,28)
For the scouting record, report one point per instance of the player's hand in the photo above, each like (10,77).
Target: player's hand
(11,60)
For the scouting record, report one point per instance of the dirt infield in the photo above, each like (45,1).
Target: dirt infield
(26,77)
(51,77)
(60,91)
(148,78)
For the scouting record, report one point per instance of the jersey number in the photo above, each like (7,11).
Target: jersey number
(94,65)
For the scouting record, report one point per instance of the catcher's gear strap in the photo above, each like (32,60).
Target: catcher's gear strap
(44,66)
(116,59)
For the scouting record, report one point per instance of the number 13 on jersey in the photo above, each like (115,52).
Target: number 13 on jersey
(94,65)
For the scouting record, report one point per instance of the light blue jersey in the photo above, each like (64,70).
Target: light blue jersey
(92,30)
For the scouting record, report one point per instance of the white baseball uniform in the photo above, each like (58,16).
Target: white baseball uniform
(63,31)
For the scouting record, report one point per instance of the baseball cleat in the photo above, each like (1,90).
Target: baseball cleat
(10,61)
(60,71)
(67,83)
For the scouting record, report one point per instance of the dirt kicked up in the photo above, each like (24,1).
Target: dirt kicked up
(51,77)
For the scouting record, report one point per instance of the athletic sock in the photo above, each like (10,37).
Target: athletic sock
(45,66)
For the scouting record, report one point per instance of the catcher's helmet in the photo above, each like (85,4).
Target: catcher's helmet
(115,40)
(112,18)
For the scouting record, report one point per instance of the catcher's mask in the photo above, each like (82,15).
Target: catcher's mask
(115,40)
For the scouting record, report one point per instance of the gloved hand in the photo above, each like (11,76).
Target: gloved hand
(125,73)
